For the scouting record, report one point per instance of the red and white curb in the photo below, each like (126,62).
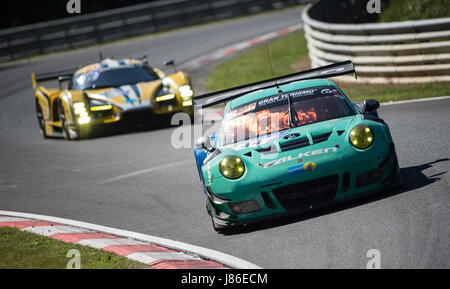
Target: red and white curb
(157,252)
(205,59)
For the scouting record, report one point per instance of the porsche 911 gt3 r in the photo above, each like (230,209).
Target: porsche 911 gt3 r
(292,144)
(108,92)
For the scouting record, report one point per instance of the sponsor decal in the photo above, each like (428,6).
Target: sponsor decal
(309,167)
(300,156)
(307,192)
(295,170)
(329,91)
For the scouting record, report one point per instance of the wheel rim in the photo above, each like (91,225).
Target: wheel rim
(40,118)
(62,117)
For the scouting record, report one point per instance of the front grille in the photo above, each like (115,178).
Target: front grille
(102,114)
(302,195)
(172,102)
(294,144)
(369,178)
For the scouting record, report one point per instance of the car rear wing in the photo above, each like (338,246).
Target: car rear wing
(59,75)
(327,71)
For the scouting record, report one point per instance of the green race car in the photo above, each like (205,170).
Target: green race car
(292,144)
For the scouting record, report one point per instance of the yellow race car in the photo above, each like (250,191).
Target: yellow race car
(111,91)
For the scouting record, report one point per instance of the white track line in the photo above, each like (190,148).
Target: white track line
(51,230)
(144,171)
(415,100)
(102,243)
(225,259)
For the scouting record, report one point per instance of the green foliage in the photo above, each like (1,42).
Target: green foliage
(290,50)
(388,92)
(25,250)
(403,10)
(254,65)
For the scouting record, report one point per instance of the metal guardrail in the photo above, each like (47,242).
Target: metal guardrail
(110,25)
(397,52)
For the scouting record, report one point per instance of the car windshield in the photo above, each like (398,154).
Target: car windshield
(111,78)
(271,114)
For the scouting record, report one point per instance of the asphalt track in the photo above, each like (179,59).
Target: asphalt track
(139,182)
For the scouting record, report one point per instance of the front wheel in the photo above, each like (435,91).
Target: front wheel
(62,117)
(41,121)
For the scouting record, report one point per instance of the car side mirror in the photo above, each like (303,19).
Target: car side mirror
(371,105)
(169,62)
(205,143)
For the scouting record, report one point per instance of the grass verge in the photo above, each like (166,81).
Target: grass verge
(289,54)
(401,10)
(25,250)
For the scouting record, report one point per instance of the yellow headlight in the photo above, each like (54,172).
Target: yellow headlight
(165,97)
(361,136)
(101,107)
(79,108)
(186,91)
(84,120)
(231,167)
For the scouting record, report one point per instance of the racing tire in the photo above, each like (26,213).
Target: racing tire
(41,120)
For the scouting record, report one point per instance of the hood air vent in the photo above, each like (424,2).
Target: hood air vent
(321,137)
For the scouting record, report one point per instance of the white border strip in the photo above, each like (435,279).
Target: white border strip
(225,259)
(415,100)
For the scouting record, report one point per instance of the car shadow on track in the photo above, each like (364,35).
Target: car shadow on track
(130,128)
(412,178)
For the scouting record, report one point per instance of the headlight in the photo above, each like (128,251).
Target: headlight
(231,167)
(165,97)
(101,107)
(361,136)
(186,91)
(79,109)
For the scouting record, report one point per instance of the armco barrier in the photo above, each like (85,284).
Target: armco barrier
(397,52)
(101,27)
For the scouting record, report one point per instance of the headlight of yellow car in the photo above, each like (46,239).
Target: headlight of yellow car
(186,91)
(80,110)
(231,167)
(361,136)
